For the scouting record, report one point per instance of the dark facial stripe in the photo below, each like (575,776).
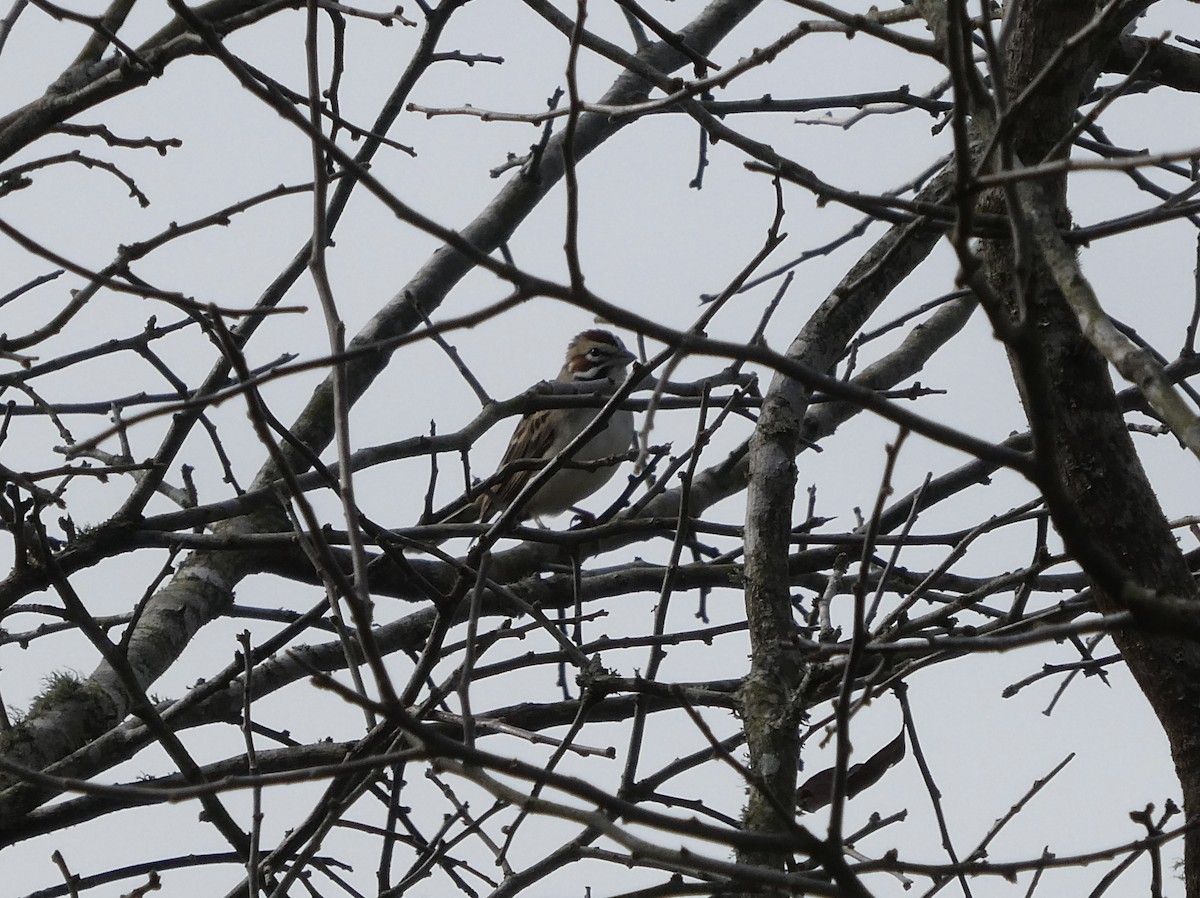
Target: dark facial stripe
(583,369)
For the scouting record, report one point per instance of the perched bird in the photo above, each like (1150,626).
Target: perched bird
(598,359)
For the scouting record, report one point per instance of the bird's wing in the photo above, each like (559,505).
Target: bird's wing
(533,438)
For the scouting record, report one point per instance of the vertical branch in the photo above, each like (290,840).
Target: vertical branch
(657,650)
(570,178)
(253,884)
(359,598)
(935,794)
(770,699)
(468,664)
(1096,489)
(858,640)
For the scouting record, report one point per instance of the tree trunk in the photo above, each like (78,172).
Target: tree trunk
(1080,435)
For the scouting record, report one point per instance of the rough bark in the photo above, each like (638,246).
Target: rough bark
(1099,495)
(772,699)
(771,707)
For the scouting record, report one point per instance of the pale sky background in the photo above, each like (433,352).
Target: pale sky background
(649,243)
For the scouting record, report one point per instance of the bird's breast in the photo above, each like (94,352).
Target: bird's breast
(615,438)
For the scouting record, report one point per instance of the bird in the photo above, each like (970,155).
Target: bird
(595,358)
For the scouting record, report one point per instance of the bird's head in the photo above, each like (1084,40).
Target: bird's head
(596,355)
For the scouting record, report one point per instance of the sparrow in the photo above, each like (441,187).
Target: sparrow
(595,358)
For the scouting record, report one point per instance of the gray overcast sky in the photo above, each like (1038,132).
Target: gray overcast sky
(649,243)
